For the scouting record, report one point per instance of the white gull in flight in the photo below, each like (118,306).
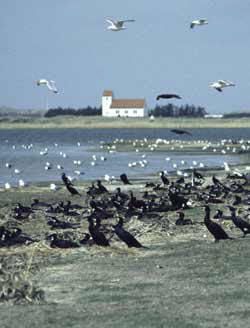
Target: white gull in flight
(50,84)
(220,84)
(117,25)
(198,22)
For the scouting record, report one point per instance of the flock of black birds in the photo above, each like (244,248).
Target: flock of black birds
(170,195)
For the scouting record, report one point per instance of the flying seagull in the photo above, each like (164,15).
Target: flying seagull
(117,25)
(50,84)
(167,96)
(198,22)
(220,84)
(181,132)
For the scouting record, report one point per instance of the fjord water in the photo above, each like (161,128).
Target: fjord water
(14,142)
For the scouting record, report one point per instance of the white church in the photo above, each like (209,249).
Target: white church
(112,107)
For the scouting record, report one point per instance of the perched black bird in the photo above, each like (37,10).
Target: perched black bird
(19,208)
(85,240)
(61,243)
(66,180)
(177,200)
(70,206)
(198,175)
(181,220)
(219,215)
(214,228)
(164,179)
(14,237)
(101,187)
(38,204)
(124,179)
(167,96)
(180,132)
(125,236)
(58,224)
(239,223)
(136,203)
(237,201)
(180,180)
(121,194)
(98,237)
(72,190)
(216,181)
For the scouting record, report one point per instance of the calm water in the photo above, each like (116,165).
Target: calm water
(13,150)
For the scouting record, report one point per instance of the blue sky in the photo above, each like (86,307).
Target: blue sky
(67,41)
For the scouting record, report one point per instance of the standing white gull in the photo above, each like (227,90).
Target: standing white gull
(50,84)
(198,22)
(218,85)
(117,25)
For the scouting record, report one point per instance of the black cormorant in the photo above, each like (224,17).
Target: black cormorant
(177,131)
(164,179)
(66,180)
(124,179)
(125,236)
(214,228)
(101,187)
(168,96)
(181,220)
(98,237)
(239,223)
(72,190)
(61,243)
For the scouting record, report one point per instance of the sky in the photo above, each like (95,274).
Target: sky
(68,42)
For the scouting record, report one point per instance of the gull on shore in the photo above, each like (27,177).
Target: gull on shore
(116,26)
(49,83)
(198,22)
(220,84)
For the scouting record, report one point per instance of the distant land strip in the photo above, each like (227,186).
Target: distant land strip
(92,122)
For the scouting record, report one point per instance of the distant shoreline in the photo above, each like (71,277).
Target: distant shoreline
(94,122)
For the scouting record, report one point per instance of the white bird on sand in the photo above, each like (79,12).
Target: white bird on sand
(21,183)
(198,22)
(54,187)
(7,185)
(218,85)
(50,84)
(117,25)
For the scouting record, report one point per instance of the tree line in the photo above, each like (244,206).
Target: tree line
(164,111)
(171,110)
(87,111)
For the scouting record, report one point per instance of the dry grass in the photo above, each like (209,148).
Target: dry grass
(16,286)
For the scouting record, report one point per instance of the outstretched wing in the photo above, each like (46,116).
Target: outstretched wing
(121,22)
(111,22)
(51,86)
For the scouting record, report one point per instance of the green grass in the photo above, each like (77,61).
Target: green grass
(89,122)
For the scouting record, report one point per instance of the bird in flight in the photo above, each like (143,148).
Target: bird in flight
(167,96)
(180,132)
(220,84)
(49,84)
(117,25)
(198,22)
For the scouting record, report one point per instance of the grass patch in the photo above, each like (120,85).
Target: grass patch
(105,122)
(16,285)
